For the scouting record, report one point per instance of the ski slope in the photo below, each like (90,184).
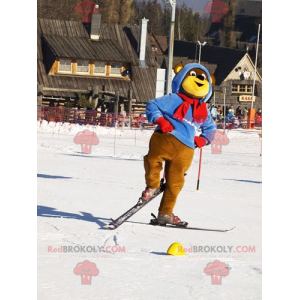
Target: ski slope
(79,193)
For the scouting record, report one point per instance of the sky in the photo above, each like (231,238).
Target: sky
(197,5)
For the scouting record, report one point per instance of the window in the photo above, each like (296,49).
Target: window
(99,68)
(241,88)
(107,69)
(115,68)
(65,65)
(249,88)
(82,66)
(252,39)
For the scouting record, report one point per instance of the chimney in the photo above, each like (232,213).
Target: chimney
(143,39)
(95,26)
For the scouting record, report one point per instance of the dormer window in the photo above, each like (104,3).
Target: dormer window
(100,68)
(65,65)
(115,68)
(85,67)
(82,66)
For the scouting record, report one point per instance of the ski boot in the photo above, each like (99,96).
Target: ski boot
(164,219)
(148,193)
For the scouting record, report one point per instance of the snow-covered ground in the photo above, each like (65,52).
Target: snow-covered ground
(78,194)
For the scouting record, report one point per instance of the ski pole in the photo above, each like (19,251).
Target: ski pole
(198,181)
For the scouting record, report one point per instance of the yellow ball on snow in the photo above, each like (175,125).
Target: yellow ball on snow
(176,249)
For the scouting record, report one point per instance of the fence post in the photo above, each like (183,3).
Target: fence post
(39,94)
(116,106)
(251,118)
(95,96)
(130,106)
(115,141)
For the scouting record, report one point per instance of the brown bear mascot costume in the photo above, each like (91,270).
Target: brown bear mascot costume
(179,116)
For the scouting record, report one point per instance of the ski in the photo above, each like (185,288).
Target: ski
(134,209)
(184,225)
(193,228)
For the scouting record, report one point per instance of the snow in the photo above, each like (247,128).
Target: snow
(79,193)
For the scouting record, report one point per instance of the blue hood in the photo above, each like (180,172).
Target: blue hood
(177,81)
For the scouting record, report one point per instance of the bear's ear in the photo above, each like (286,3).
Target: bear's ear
(178,67)
(212,79)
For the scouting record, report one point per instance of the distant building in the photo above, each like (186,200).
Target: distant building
(233,70)
(248,8)
(248,15)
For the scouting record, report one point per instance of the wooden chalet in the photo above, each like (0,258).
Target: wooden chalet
(112,65)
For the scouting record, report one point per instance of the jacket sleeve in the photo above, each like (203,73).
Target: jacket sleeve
(208,129)
(159,107)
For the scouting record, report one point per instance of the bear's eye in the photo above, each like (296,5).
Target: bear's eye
(201,77)
(193,73)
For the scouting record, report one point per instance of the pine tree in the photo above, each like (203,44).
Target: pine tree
(190,30)
(227,32)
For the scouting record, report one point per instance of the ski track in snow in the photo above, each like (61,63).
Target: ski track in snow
(79,193)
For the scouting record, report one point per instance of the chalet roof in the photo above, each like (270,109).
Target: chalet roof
(224,58)
(120,43)
(163,60)
(162,42)
(244,65)
(248,28)
(82,47)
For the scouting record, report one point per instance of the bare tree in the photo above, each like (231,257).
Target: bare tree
(124,11)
